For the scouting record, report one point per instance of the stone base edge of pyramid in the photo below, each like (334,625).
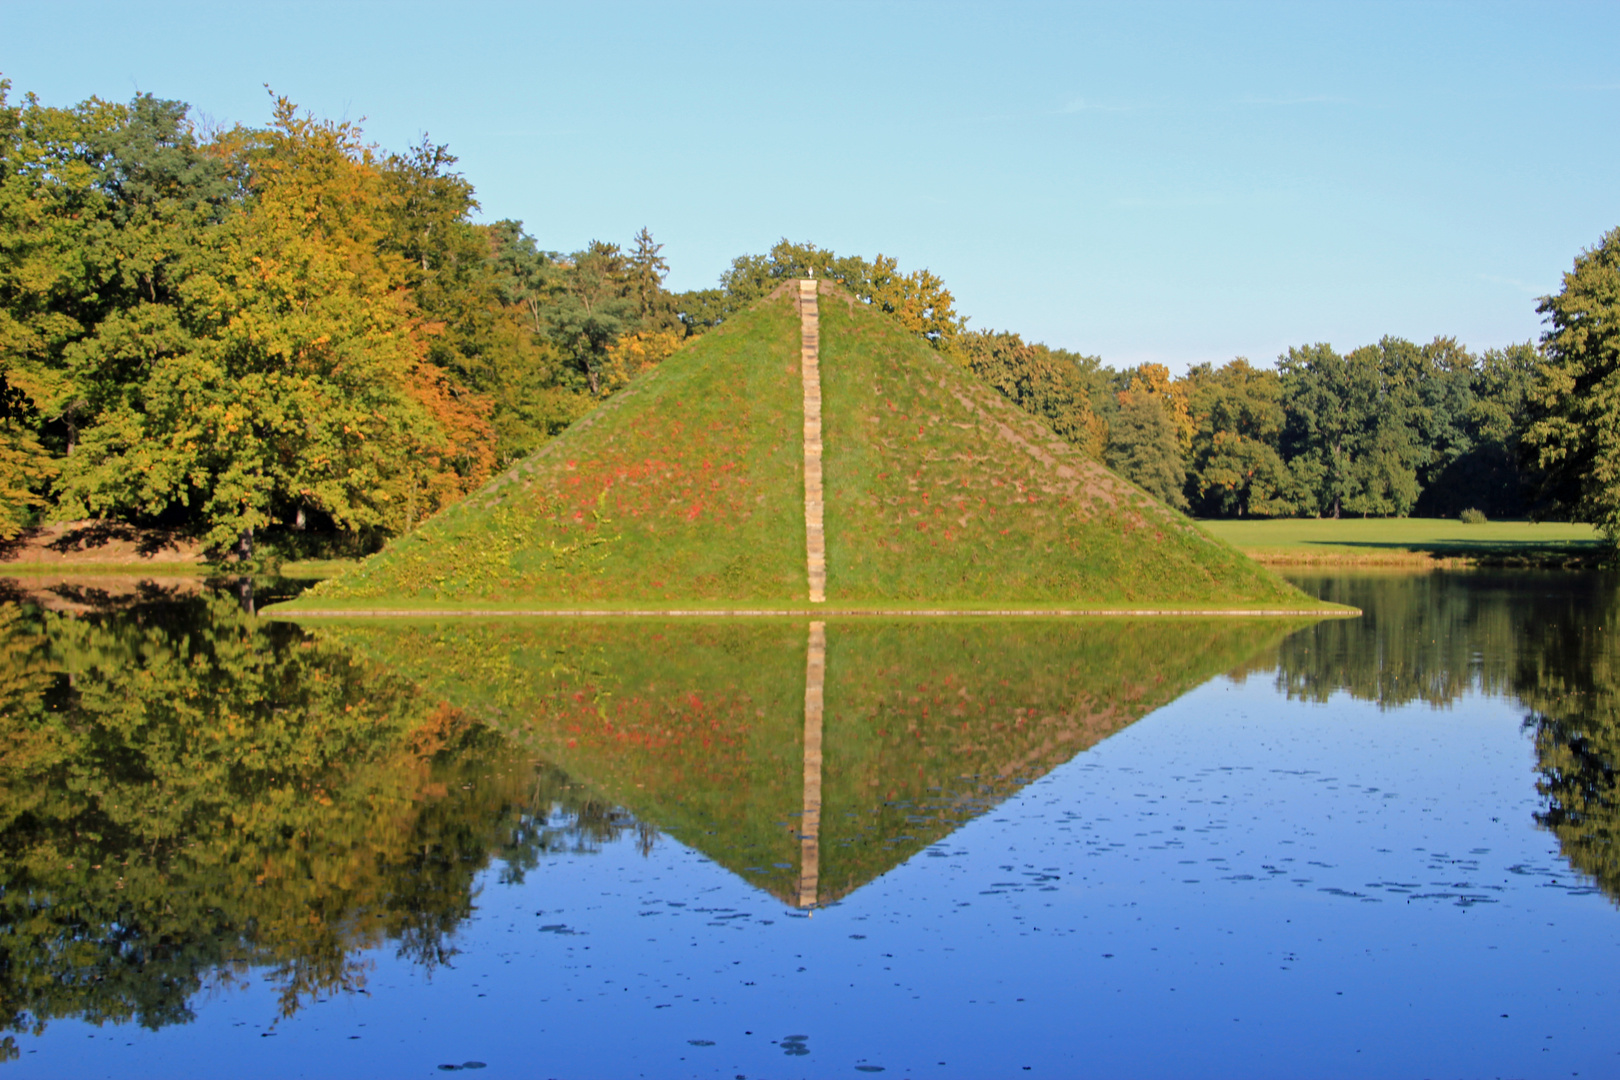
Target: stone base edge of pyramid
(804,612)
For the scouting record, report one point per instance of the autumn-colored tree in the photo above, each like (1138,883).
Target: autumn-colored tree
(305,385)
(24,466)
(1154,383)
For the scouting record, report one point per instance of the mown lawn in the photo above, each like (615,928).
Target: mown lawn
(1393,541)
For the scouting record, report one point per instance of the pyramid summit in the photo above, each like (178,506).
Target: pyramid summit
(810,454)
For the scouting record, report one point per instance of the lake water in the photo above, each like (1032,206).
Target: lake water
(1153,848)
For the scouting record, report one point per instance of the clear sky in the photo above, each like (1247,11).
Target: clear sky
(1174,182)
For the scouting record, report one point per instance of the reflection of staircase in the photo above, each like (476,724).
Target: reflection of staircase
(815,681)
(815,539)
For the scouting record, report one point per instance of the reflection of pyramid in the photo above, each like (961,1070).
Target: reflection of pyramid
(809,452)
(810,763)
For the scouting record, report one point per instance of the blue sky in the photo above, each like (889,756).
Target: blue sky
(1171,182)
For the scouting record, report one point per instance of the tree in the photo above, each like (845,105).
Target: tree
(1573,434)
(595,310)
(1350,437)
(647,271)
(1144,447)
(101,208)
(1237,417)
(303,381)
(1479,462)
(24,466)
(1153,381)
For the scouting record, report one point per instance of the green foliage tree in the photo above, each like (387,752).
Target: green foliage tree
(646,271)
(1480,465)
(1573,434)
(267,328)
(1235,469)
(1144,447)
(305,380)
(1351,437)
(596,309)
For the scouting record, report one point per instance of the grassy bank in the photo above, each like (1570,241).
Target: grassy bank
(1416,542)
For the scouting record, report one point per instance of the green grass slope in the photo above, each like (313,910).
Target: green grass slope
(686,488)
(942,493)
(696,726)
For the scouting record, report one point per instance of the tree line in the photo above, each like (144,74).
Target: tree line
(288,330)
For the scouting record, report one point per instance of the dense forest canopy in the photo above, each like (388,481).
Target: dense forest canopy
(289,332)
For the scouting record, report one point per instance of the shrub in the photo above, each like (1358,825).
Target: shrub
(1472,517)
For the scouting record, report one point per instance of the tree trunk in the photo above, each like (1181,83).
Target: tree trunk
(298,521)
(244,545)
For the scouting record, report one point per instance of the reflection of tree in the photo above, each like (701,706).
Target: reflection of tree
(1571,684)
(186,793)
(1430,637)
(1544,638)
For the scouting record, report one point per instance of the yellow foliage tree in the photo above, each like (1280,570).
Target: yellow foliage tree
(1153,381)
(635,353)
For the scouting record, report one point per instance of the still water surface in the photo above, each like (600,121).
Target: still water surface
(1381,846)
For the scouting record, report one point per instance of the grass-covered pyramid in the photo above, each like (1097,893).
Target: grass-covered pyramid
(686,490)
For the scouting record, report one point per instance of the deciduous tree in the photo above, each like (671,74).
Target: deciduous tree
(1574,430)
